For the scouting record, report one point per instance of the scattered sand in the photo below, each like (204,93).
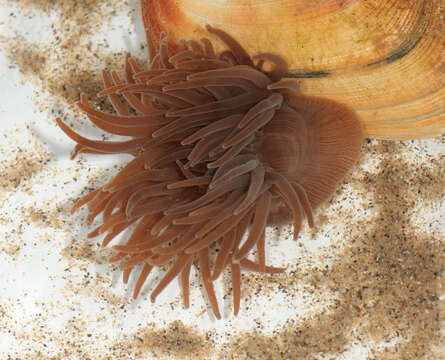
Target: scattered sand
(382,273)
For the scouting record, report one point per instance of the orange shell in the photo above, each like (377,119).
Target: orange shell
(385,59)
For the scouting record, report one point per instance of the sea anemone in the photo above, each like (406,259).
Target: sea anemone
(224,145)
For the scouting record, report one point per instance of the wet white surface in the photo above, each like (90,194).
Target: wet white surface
(61,299)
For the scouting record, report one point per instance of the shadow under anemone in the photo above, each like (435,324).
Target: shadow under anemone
(222,148)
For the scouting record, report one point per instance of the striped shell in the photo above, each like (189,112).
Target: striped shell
(385,59)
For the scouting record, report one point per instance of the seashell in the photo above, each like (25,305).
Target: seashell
(384,59)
